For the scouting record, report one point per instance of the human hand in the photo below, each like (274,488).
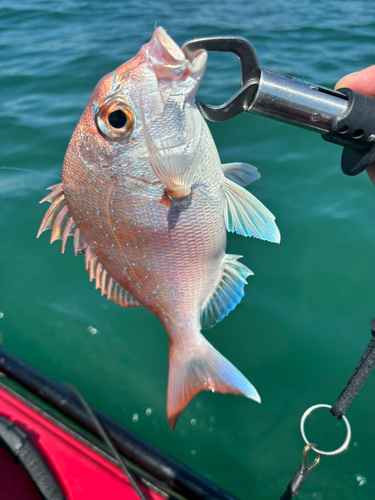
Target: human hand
(361,81)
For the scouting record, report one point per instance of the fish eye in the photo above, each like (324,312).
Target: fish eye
(115,119)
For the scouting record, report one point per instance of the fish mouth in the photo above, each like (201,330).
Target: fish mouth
(170,62)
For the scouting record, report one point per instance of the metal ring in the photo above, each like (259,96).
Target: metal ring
(342,448)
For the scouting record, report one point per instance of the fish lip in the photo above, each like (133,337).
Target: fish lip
(162,45)
(167,57)
(197,60)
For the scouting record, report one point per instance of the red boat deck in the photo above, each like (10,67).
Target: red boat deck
(82,472)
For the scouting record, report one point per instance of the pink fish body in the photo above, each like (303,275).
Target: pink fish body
(148,201)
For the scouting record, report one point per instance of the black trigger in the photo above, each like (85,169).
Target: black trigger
(354,162)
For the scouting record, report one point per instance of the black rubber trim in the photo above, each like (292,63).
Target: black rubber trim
(17,443)
(355,130)
(162,467)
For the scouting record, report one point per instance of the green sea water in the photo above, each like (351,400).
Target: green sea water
(303,323)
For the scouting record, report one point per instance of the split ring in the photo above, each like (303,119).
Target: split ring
(345,444)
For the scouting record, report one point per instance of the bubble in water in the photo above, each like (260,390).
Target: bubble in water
(92,330)
(361,480)
(135,417)
(355,445)
(148,412)
(193,421)
(1,315)
(318,496)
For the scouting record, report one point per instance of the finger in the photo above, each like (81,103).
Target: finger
(371,172)
(361,81)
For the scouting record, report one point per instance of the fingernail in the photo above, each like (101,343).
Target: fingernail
(339,83)
(350,74)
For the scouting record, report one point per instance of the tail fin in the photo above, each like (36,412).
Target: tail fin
(198,368)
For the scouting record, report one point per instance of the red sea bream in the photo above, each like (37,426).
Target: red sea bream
(149,203)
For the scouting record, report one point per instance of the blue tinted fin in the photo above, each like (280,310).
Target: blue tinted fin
(227,293)
(241,173)
(246,215)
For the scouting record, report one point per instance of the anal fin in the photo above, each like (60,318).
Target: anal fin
(246,215)
(227,293)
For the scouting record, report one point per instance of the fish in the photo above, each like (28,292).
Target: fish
(148,202)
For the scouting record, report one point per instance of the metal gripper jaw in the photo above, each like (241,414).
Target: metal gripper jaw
(250,75)
(343,117)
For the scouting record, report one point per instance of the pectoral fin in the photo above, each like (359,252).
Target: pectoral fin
(246,215)
(174,169)
(241,173)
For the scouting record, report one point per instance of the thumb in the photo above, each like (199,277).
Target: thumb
(360,81)
(345,81)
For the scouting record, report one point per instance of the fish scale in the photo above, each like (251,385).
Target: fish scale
(149,203)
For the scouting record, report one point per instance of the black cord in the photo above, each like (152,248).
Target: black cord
(105,437)
(357,379)
(338,410)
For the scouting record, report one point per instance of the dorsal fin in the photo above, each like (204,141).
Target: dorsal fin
(106,283)
(227,293)
(62,224)
(59,220)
